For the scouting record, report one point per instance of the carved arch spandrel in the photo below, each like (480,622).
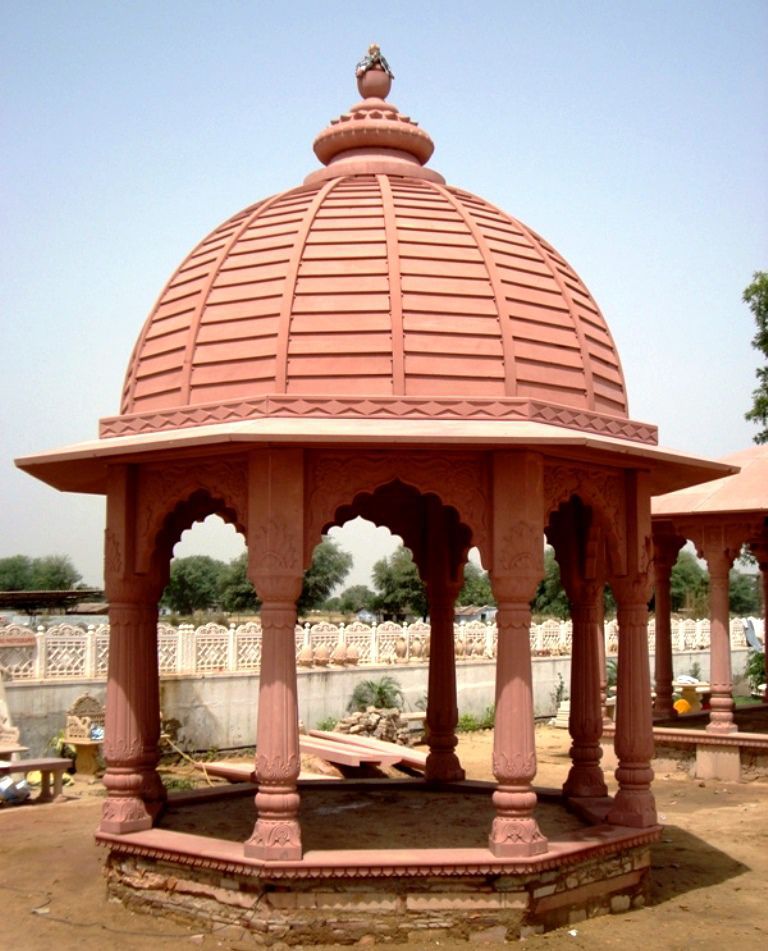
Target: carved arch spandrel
(218,486)
(459,480)
(603,491)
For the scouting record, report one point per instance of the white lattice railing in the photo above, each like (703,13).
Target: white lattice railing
(70,652)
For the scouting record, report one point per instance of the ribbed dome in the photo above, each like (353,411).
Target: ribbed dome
(374,289)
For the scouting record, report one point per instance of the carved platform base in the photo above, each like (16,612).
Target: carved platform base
(123,815)
(443,768)
(636,809)
(274,841)
(513,838)
(585,782)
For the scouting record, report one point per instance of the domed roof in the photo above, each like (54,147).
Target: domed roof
(374,290)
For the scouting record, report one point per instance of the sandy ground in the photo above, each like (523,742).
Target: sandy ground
(710,874)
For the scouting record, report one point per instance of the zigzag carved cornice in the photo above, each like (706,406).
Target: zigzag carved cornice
(382,407)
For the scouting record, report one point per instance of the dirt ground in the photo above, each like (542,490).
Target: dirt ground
(710,872)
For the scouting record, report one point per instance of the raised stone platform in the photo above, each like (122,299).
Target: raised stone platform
(339,895)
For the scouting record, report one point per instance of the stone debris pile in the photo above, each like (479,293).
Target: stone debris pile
(378,722)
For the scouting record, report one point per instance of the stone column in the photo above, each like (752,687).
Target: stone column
(135,793)
(665,555)
(719,562)
(760,551)
(518,556)
(275,567)
(443,764)
(634,804)
(585,723)
(277,835)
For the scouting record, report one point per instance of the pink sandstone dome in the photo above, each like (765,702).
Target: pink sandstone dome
(374,290)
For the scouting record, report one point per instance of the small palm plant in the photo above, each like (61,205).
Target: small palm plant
(384,693)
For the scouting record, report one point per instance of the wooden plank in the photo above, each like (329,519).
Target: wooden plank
(406,754)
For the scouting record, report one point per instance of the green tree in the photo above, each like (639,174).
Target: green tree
(54,573)
(756,296)
(743,593)
(400,591)
(357,598)
(477,587)
(551,599)
(16,573)
(49,573)
(193,585)
(236,593)
(330,566)
(689,585)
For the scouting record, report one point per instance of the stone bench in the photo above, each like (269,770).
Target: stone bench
(52,766)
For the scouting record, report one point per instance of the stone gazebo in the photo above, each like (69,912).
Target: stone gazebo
(720,518)
(375,342)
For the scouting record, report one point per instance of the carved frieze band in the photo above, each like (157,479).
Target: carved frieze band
(320,407)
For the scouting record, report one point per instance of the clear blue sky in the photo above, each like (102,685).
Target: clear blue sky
(632,135)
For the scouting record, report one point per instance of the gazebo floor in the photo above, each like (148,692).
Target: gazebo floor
(392,859)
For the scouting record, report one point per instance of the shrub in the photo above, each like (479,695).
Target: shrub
(755,670)
(385,693)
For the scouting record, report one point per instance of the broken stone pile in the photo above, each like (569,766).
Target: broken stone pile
(378,722)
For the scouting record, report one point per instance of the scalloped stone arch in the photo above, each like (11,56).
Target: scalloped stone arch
(600,491)
(460,481)
(173,498)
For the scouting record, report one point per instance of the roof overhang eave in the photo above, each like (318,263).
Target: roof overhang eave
(83,467)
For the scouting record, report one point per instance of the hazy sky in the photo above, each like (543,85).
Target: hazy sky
(632,135)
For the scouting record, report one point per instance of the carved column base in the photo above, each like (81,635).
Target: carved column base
(633,804)
(585,781)
(721,716)
(443,766)
(516,837)
(275,840)
(120,815)
(663,708)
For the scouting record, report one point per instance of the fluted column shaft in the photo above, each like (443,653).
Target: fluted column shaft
(515,831)
(585,721)
(634,804)
(442,710)
(277,835)
(135,792)
(720,677)
(662,707)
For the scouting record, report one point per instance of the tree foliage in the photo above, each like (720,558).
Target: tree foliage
(550,599)
(756,296)
(400,592)
(689,586)
(194,584)
(235,593)
(357,598)
(49,573)
(330,566)
(743,593)
(477,587)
